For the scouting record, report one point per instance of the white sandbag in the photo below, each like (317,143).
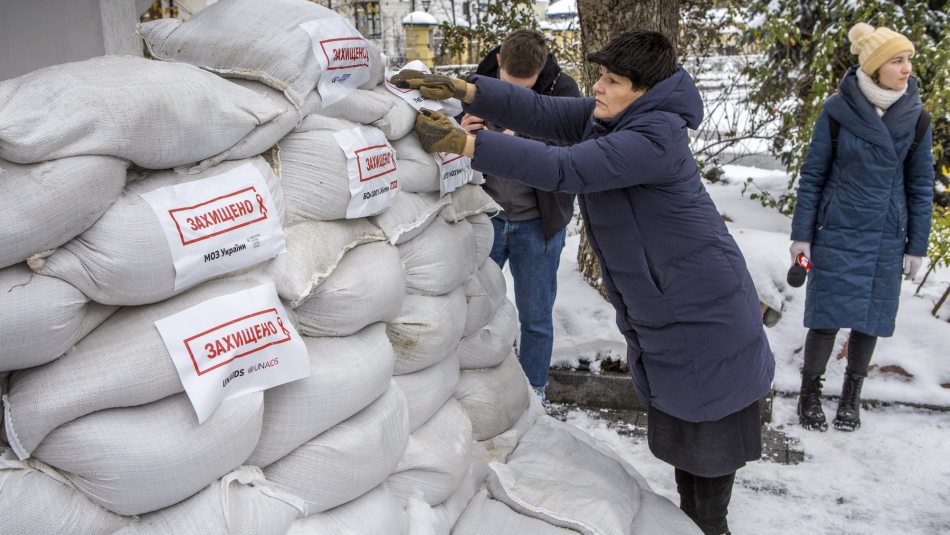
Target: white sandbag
(348,374)
(418,171)
(139,459)
(349,459)
(125,358)
(240,503)
(158,115)
(34,498)
(437,457)
(409,215)
(377,512)
(126,258)
(493,398)
(265,136)
(469,200)
(491,344)
(314,170)
(428,389)
(368,286)
(484,232)
(314,249)
(485,291)
(440,259)
(485,515)
(376,107)
(255,39)
(442,517)
(49,203)
(607,504)
(42,317)
(427,330)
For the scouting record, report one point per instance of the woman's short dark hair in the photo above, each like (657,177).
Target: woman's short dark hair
(645,57)
(523,53)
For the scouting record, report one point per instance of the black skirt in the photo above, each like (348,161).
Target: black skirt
(707,449)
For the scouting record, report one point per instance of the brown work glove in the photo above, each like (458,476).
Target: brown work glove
(438,134)
(432,86)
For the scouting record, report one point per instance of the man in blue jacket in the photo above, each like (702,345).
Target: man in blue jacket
(530,231)
(685,301)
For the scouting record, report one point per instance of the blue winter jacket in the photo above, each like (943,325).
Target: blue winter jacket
(684,298)
(860,213)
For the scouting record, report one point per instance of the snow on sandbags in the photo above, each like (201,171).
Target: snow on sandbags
(290,45)
(240,503)
(485,291)
(125,358)
(440,259)
(376,107)
(409,215)
(348,374)
(418,171)
(493,398)
(485,515)
(314,169)
(611,501)
(437,457)
(367,286)
(34,498)
(47,204)
(139,459)
(157,115)
(491,345)
(314,249)
(469,200)
(349,459)
(427,390)
(427,330)
(377,512)
(223,219)
(42,317)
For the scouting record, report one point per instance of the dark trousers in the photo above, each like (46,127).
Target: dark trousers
(820,342)
(706,500)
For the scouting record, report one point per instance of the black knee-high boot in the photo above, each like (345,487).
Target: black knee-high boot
(818,346)
(706,500)
(860,349)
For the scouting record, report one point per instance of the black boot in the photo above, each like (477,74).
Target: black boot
(848,417)
(810,414)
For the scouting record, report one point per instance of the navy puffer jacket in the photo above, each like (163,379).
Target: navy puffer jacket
(684,298)
(859,211)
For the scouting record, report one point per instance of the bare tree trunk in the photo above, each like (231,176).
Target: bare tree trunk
(600,21)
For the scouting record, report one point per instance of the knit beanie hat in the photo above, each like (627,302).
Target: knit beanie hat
(874,46)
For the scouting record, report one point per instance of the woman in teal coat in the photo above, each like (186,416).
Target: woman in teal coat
(863,214)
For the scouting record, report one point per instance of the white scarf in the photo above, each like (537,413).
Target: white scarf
(880,98)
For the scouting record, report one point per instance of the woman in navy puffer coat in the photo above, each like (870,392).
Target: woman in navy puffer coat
(685,301)
(863,215)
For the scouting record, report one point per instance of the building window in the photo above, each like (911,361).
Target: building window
(367,19)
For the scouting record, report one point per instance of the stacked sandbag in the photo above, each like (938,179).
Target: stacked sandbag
(127,107)
(42,317)
(378,512)
(224,219)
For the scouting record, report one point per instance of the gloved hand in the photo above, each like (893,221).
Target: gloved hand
(912,266)
(432,86)
(800,247)
(438,134)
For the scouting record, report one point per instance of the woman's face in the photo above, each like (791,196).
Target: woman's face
(613,93)
(894,74)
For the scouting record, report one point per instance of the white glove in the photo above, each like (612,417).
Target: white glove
(800,247)
(912,266)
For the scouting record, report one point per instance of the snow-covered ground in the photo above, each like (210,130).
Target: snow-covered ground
(891,476)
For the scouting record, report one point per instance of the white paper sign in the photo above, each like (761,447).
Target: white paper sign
(343,55)
(454,171)
(218,224)
(371,167)
(233,345)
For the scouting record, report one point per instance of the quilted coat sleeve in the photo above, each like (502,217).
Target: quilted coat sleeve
(919,184)
(812,179)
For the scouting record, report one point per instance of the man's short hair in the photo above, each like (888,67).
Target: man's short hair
(523,53)
(645,57)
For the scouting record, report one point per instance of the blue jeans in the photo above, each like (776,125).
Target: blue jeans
(534,264)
